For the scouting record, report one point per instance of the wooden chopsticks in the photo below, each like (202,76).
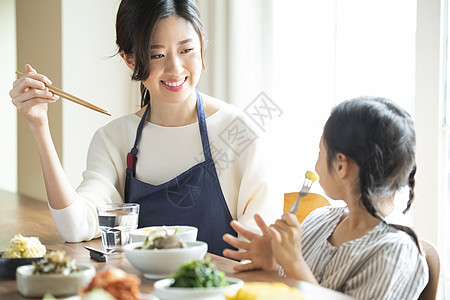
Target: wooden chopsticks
(72,98)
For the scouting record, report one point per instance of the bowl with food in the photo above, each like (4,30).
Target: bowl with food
(184,233)
(113,284)
(21,251)
(55,273)
(161,256)
(197,279)
(266,290)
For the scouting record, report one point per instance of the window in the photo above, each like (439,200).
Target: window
(329,51)
(322,52)
(445,259)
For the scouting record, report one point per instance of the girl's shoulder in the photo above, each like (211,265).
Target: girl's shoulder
(394,237)
(397,243)
(325,214)
(329,211)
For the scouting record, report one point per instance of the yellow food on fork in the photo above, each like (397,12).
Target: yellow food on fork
(266,291)
(311,175)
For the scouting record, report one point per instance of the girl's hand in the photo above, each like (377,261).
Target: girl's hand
(257,250)
(286,237)
(30,95)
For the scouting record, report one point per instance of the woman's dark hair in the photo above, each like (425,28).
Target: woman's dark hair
(379,136)
(134,26)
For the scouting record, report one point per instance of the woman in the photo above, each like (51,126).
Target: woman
(166,156)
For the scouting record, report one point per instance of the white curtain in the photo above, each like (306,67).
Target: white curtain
(239,55)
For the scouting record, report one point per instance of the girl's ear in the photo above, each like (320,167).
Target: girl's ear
(345,168)
(340,165)
(128,60)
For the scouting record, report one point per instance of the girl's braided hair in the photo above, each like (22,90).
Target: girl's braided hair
(379,136)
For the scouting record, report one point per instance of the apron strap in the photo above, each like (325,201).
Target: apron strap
(132,156)
(202,127)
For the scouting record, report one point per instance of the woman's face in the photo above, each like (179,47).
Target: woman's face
(175,60)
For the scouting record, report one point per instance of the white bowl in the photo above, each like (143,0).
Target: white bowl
(164,291)
(184,233)
(36,285)
(161,263)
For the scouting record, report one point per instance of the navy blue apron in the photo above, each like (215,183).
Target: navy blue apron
(192,198)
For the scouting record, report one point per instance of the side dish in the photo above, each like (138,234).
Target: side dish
(24,247)
(162,263)
(266,290)
(36,284)
(162,240)
(55,262)
(199,274)
(121,285)
(183,232)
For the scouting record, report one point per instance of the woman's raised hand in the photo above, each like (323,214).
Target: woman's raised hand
(257,250)
(30,95)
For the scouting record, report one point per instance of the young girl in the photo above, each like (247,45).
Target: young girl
(367,153)
(172,156)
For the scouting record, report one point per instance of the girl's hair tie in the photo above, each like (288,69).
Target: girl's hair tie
(383,220)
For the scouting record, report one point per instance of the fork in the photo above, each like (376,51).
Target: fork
(307,183)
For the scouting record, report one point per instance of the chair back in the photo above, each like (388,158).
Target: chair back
(434,266)
(307,204)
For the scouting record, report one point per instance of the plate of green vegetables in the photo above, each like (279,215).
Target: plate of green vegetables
(197,279)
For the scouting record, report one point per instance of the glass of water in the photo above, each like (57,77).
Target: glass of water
(116,222)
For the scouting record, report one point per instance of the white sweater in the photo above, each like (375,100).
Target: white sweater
(164,153)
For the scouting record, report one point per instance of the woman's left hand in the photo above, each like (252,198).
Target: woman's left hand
(257,251)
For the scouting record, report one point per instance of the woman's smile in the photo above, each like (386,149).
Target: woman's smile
(174,85)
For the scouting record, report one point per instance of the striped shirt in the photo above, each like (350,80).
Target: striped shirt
(383,264)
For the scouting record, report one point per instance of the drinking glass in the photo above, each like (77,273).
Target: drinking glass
(116,222)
